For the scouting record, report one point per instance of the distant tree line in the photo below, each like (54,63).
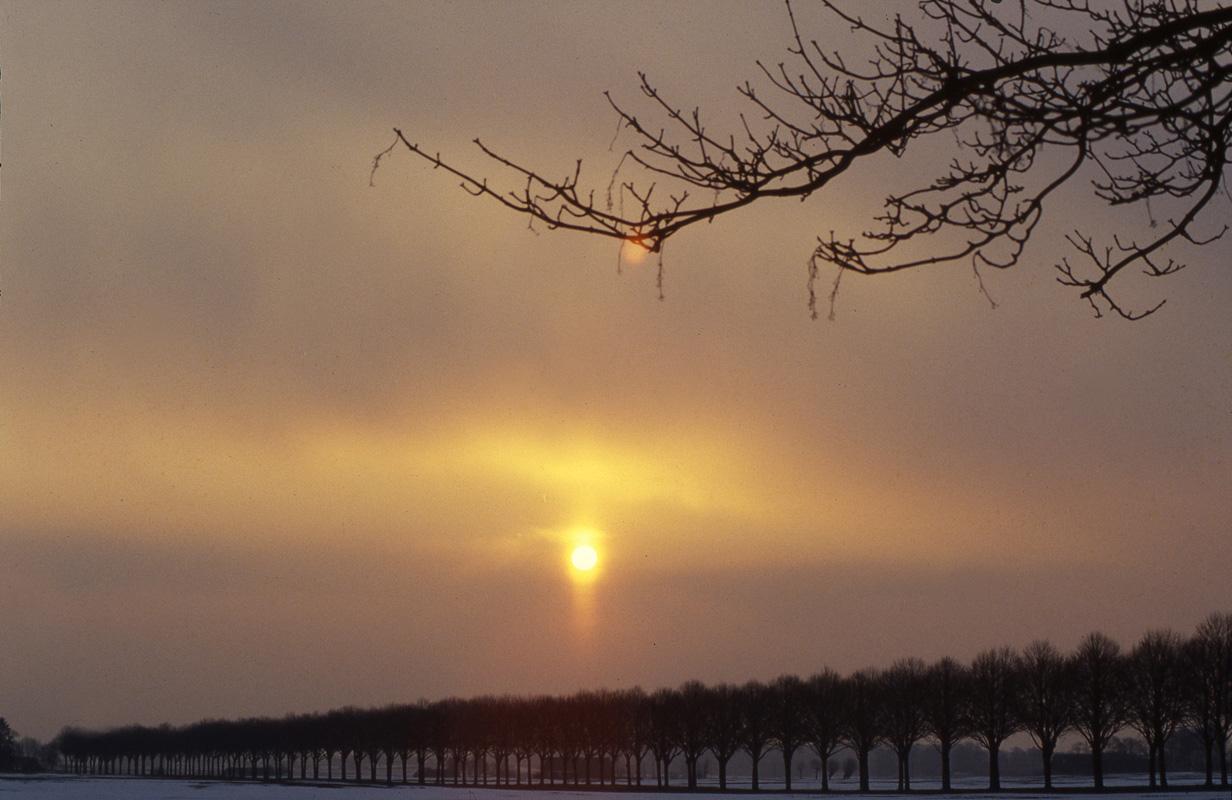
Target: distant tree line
(23,754)
(1164,684)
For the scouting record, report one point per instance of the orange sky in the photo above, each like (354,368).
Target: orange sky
(272,440)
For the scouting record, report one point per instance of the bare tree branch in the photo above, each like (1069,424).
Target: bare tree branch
(1143,97)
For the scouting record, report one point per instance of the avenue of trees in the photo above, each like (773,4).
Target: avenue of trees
(1163,684)
(1132,98)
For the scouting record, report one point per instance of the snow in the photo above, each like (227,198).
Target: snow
(66,787)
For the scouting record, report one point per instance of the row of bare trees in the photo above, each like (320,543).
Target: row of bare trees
(1166,682)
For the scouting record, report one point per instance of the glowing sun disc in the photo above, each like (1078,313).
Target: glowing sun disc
(584,558)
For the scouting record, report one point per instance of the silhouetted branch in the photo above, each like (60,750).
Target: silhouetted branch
(1143,96)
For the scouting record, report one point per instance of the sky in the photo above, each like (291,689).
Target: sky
(273,439)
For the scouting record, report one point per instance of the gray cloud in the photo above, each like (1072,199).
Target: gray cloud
(241,387)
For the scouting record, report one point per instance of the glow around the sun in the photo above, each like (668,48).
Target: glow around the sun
(632,251)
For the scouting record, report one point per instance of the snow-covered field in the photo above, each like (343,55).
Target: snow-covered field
(64,787)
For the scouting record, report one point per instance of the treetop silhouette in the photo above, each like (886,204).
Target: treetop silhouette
(1166,683)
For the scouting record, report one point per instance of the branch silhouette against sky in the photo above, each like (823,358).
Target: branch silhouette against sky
(1034,94)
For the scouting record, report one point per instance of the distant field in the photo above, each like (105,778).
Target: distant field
(64,787)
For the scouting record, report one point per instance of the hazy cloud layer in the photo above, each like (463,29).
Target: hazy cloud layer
(272,439)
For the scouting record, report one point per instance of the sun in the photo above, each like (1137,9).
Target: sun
(584,558)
